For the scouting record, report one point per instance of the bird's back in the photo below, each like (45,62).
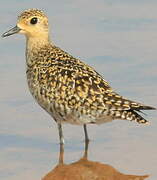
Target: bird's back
(73,92)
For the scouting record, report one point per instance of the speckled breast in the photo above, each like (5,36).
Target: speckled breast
(57,96)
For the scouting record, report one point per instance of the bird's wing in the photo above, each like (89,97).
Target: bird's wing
(74,79)
(96,85)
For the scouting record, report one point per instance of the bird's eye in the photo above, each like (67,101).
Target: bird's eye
(34,20)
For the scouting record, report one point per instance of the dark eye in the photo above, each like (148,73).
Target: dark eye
(34,20)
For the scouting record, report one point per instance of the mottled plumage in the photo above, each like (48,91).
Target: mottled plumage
(73,92)
(68,89)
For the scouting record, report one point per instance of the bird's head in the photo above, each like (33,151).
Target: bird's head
(31,23)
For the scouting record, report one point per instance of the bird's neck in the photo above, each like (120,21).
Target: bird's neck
(34,43)
(33,46)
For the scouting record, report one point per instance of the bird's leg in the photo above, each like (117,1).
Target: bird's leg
(86,133)
(86,141)
(61,137)
(61,154)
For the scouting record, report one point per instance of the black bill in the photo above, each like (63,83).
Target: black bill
(14,30)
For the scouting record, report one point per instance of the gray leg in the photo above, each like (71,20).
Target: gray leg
(86,142)
(61,154)
(61,138)
(86,133)
(86,150)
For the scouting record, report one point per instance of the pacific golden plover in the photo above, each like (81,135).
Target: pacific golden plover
(68,89)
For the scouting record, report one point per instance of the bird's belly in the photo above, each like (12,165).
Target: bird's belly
(86,119)
(65,114)
(61,111)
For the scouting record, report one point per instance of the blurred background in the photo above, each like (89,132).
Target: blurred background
(119,39)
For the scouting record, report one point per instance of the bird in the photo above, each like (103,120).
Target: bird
(67,88)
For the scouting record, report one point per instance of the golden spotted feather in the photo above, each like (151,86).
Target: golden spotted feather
(64,86)
(68,89)
(73,92)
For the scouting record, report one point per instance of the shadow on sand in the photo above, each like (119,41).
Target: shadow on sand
(86,170)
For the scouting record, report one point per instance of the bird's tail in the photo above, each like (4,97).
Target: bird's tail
(134,114)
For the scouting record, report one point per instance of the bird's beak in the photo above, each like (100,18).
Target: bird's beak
(14,30)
